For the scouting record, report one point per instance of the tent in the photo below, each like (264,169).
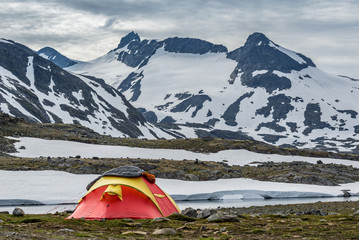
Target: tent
(124,192)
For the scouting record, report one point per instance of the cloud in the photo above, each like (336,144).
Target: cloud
(325,30)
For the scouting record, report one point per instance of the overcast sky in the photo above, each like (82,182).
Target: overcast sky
(327,31)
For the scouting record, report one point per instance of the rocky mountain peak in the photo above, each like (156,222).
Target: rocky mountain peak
(257,39)
(56,57)
(191,45)
(132,36)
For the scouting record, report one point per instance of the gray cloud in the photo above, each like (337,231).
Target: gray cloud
(324,30)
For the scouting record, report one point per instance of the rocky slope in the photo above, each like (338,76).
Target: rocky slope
(37,90)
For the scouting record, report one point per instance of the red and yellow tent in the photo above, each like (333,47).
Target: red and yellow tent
(124,192)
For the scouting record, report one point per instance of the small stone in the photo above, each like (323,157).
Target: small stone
(160,219)
(319,162)
(165,231)
(134,232)
(223,229)
(222,218)
(128,220)
(65,230)
(202,228)
(356,213)
(135,224)
(22,147)
(4,212)
(182,228)
(1,221)
(18,212)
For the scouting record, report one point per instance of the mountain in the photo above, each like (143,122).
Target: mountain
(56,57)
(260,90)
(34,88)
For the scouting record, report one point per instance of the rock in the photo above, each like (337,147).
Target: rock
(223,229)
(18,212)
(346,193)
(22,147)
(319,162)
(165,231)
(127,220)
(134,224)
(160,219)
(4,212)
(297,179)
(134,232)
(190,212)
(77,156)
(222,218)
(206,213)
(202,228)
(65,230)
(191,177)
(1,221)
(356,213)
(315,212)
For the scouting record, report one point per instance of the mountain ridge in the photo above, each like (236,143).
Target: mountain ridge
(260,90)
(37,90)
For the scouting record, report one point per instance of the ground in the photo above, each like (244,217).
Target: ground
(269,222)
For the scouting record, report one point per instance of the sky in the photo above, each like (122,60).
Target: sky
(327,31)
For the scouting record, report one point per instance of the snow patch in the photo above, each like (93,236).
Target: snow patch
(36,147)
(5,41)
(290,53)
(61,187)
(259,72)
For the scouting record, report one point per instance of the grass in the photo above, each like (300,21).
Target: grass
(265,225)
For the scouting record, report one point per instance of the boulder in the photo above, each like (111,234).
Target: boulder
(222,218)
(190,212)
(18,212)
(206,213)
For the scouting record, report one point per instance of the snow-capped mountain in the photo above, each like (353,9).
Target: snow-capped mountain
(36,89)
(56,57)
(260,90)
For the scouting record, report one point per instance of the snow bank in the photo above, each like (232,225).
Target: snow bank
(56,187)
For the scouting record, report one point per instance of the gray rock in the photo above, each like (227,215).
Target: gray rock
(192,177)
(346,193)
(222,218)
(160,219)
(190,212)
(202,228)
(206,213)
(4,212)
(297,179)
(315,212)
(18,212)
(65,230)
(356,213)
(165,231)
(223,229)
